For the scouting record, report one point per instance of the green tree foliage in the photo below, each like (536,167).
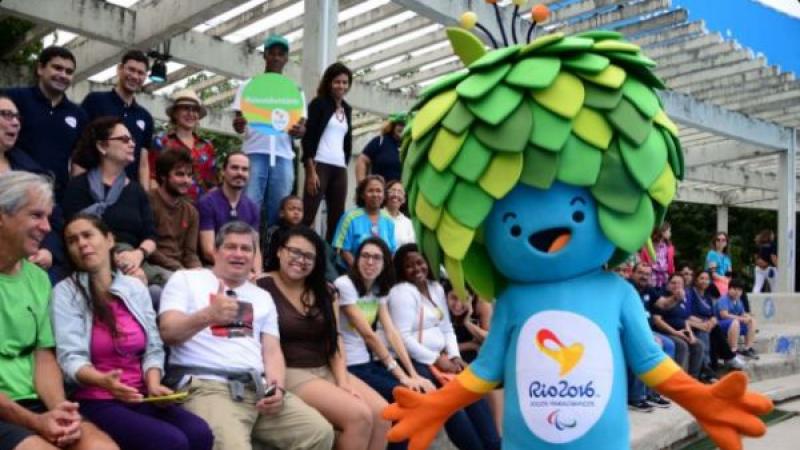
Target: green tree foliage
(12,30)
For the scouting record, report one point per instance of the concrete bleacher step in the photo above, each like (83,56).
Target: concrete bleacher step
(768,335)
(671,428)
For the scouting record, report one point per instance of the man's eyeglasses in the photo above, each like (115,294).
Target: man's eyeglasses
(298,255)
(10,115)
(123,139)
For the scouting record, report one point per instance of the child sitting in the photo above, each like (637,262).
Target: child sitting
(735,321)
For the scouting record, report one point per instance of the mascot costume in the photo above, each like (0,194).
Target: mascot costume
(528,173)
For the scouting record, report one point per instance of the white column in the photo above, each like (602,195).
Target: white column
(787,197)
(320,31)
(722,218)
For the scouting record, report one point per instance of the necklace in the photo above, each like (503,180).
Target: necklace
(339,114)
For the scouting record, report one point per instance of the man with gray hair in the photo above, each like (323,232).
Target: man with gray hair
(34,413)
(223,331)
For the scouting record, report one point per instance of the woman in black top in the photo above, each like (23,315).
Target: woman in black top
(105,148)
(327,145)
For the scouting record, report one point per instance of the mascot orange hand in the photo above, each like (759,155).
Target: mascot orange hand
(420,416)
(725,409)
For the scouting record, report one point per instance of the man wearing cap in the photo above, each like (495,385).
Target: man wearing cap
(121,102)
(271,157)
(184,114)
(381,156)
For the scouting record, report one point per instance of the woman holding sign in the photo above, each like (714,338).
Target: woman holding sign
(327,145)
(108,343)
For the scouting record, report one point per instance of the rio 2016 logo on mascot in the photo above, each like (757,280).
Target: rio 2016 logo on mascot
(526,174)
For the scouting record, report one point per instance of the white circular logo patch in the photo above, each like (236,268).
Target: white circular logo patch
(140,123)
(564,375)
(71,121)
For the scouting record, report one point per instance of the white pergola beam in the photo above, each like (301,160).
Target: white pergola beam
(712,118)
(720,153)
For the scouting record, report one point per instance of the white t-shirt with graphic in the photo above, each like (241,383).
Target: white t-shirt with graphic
(233,347)
(355,347)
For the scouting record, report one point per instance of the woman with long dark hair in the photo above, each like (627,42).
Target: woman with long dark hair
(327,146)
(362,303)
(418,306)
(664,263)
(315,364)
(104,150)
(108,344)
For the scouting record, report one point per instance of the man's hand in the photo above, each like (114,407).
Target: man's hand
(42,258)
(60,426)
(222,310)
(271,405)
(298,130)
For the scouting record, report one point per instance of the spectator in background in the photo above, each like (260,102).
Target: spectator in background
(766,261)
(706,327)
(664,263)
(366,220)
(108,345)
(50,255)
(184,114)
(51,124)
(105,149)
(271,157)
(395,200)
(226,204)
(418,307)
(688,274)
(316,370)
(718,262)
(34,412)
(381,156)
(735,321)
(176,220)
(121,102)
(327,145)
(290,215)
(670,314)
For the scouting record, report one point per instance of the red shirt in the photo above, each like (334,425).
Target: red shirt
(203,155)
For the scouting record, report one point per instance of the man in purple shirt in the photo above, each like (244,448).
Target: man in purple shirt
(227,203)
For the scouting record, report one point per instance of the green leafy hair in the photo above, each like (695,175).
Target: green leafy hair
(580,110)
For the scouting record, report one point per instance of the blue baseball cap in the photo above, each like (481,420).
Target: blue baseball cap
(276,39)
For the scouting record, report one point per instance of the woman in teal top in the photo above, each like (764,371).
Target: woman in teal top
(717,259)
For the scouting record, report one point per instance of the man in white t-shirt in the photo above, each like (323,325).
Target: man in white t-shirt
(223,331)
(271,157)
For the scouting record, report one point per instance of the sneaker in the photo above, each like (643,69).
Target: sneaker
(749,353)
(641,406)
(658,401)
(735,363)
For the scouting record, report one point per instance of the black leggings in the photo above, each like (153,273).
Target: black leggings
(333,187)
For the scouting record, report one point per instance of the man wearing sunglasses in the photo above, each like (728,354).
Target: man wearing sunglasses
(34,413)
(121,102)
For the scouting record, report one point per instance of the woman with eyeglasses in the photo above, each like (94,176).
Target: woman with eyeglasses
(108,345)
(418,306)
(364,221)
(362,307)
(395,199)
(104,150)
(315,361)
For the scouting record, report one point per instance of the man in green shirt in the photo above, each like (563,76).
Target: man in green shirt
(34,413)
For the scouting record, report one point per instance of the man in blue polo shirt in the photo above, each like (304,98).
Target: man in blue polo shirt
(51,123)
(121,102)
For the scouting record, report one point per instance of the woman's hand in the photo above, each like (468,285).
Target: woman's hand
(159,390)
(345,386)
(110,381)
(445,364)
(312,182)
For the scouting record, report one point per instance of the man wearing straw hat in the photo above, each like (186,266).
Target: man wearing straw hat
(185,112)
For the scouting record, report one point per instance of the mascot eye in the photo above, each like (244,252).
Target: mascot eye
(577,216)
(516,230)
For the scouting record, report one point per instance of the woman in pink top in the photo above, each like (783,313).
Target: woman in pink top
(108,344)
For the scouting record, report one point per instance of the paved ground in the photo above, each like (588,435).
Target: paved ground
(783,436)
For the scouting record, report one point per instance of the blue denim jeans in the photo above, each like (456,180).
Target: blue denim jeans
(268,185)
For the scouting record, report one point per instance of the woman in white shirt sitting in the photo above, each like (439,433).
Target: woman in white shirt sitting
(418,306)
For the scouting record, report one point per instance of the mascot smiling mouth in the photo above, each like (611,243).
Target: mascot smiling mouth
(550,240)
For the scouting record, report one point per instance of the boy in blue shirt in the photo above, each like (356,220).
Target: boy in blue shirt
(735,321)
